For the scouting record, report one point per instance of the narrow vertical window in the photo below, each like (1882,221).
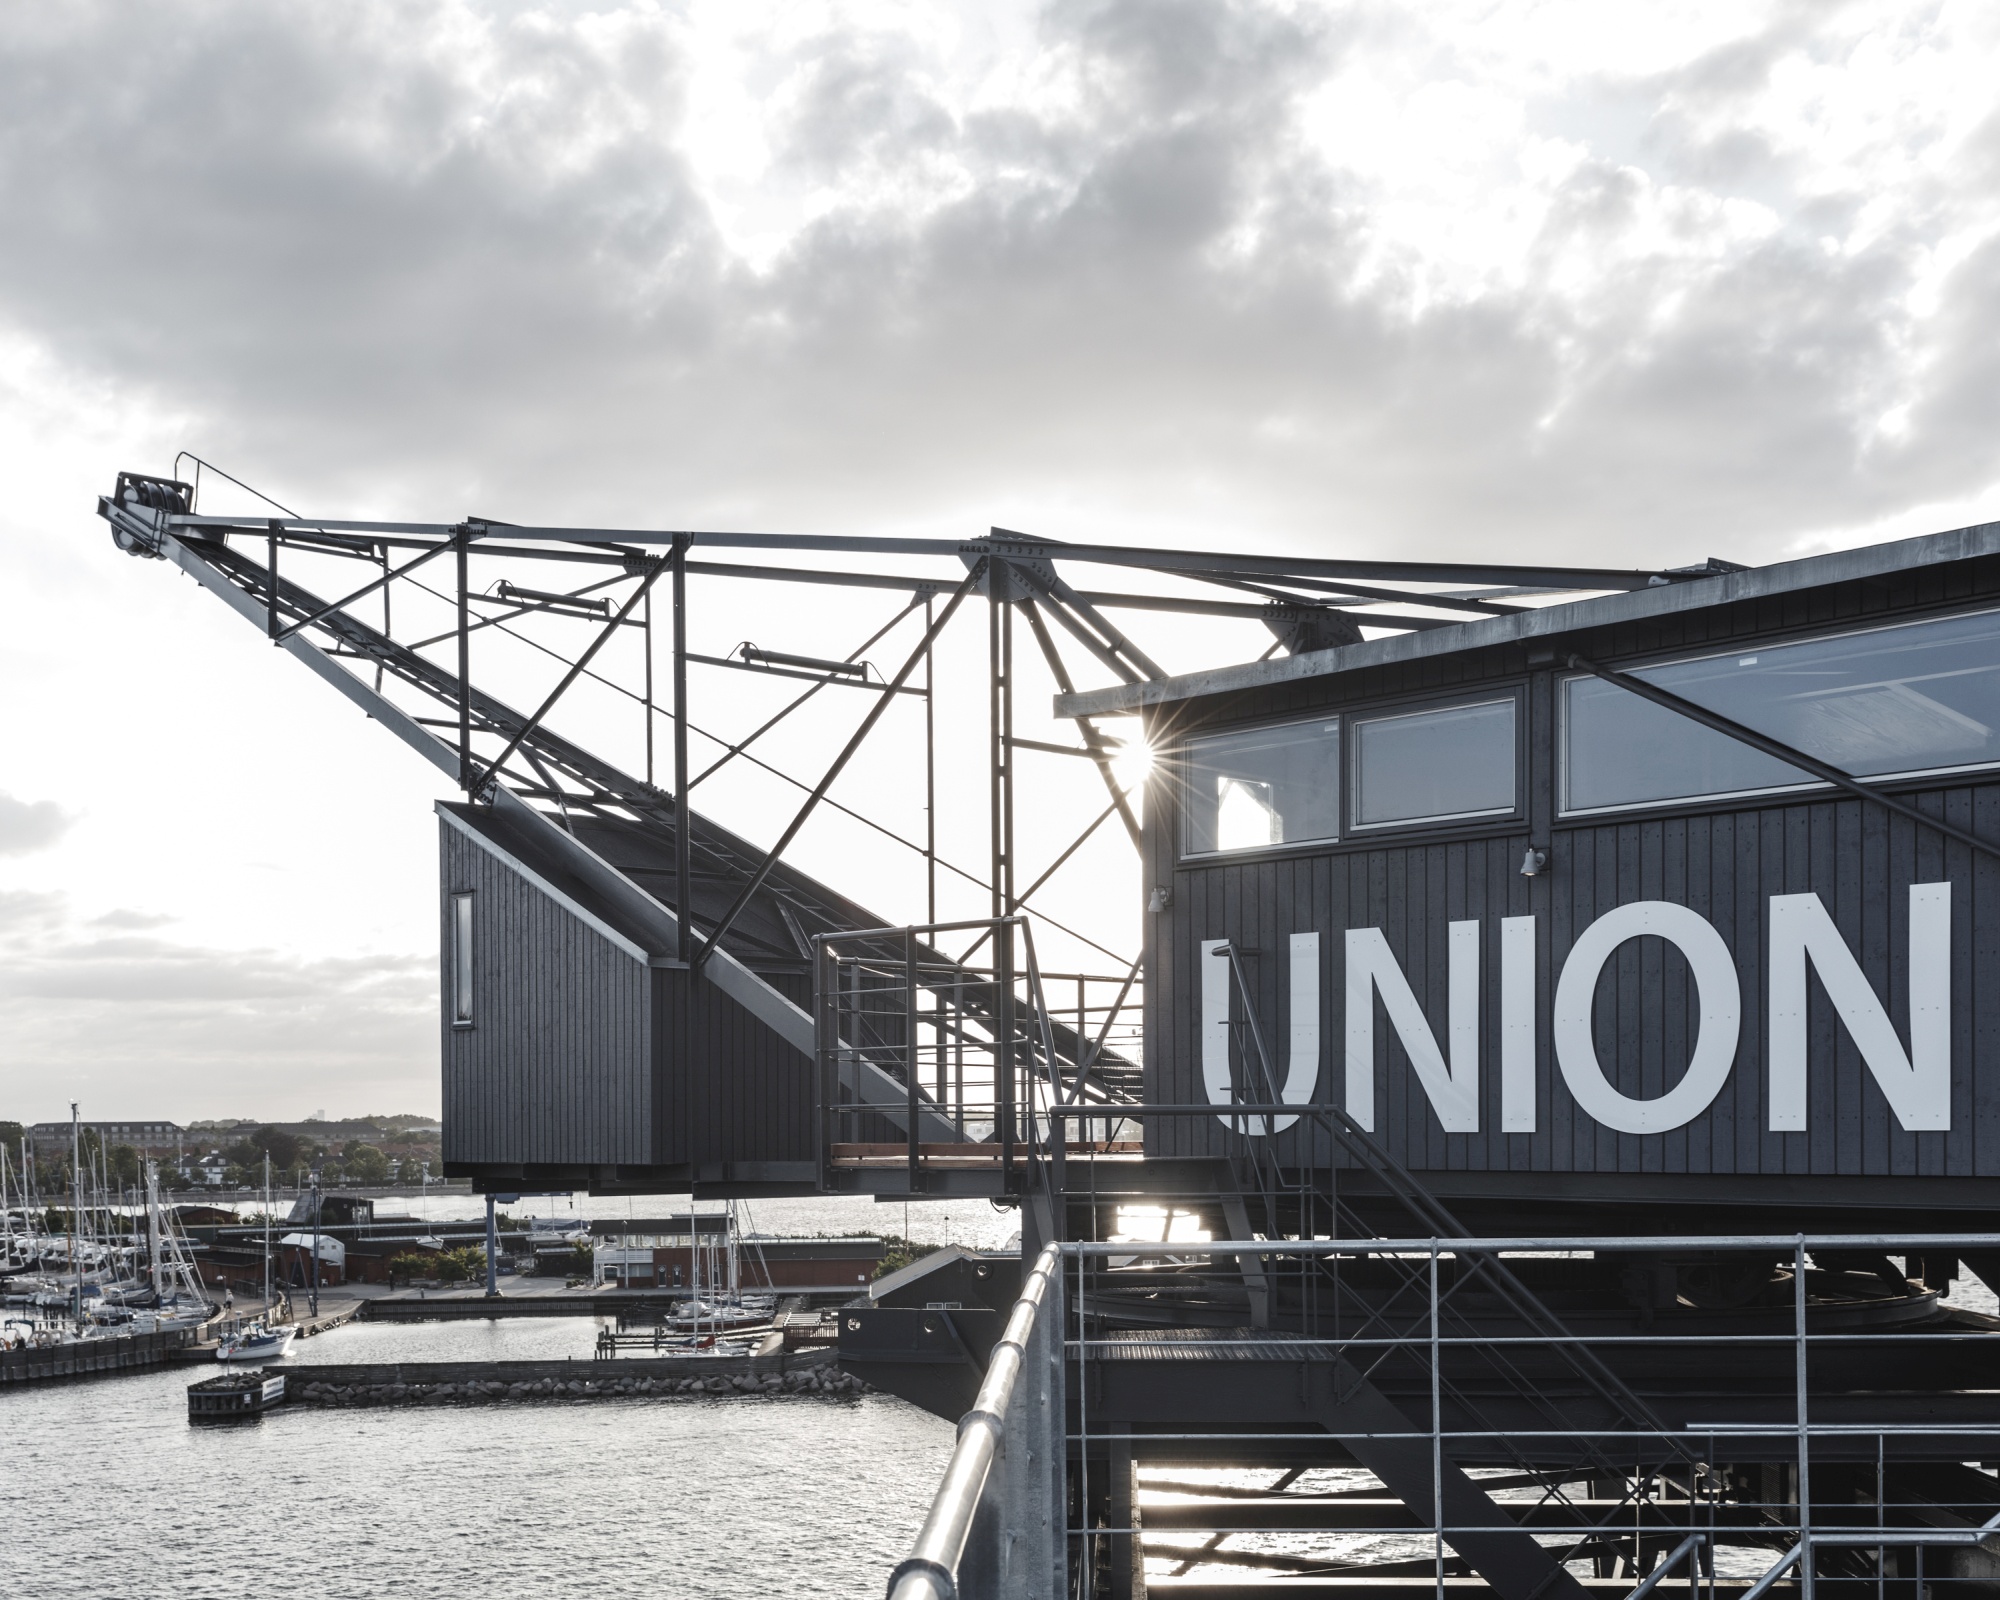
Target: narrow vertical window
(461,960)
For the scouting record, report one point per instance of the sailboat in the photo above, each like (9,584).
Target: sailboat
(263,1340)
(720,1306)
(258,1342)
(88,1288)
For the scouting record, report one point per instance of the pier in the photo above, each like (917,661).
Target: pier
(90,1358)
(626,1304)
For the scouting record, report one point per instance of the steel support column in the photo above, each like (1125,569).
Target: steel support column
(683,841)
(460,541)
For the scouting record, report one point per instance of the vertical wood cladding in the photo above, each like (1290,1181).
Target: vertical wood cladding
(582,1052)
(1723,860)
(557,1066)
(730,1088)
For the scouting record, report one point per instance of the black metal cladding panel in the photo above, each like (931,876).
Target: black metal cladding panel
(1858,859)
(1723,861)
(557,1066)
(730,1088)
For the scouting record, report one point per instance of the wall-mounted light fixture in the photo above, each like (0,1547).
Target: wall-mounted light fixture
(1534,862)
(1160,898)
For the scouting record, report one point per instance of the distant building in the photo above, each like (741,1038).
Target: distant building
(335,1210)
(659,1252)
(334,1133)
(148,1138)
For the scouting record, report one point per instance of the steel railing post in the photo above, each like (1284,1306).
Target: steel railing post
(1003,1038)
(910,1055)
(825,1038)
(1806,1562)
(1086,1550)
(1437,1432)
(1053,1440)
(958,1051)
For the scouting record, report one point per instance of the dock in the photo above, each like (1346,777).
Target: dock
(89,1358)
(635,1305)
(216,1330)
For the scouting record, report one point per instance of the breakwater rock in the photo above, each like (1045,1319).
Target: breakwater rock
(472,1383)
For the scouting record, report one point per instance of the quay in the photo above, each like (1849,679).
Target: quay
(89,1358)
(630,1304)
(137,1352)
(216,1329)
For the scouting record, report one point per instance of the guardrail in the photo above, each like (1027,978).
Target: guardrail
(1003,1522)
(999,1523)
(971,1055)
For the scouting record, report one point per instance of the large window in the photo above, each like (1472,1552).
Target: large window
(1919,697)
(1430,766)
(1262,787)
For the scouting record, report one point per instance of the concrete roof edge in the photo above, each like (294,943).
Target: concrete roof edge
(1781,577)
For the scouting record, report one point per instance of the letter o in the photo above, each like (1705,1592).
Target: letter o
(1715,1045)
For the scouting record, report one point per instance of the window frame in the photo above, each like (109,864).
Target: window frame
(1566,813)
(1183,774)
(1351,798)
(463,989)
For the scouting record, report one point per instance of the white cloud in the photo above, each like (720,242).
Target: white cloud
(1506,271)
(1527,279)
(28,825)
(159,1027)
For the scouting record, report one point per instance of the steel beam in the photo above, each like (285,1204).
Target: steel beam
(1008,544)
(874,716)
(1093,740)
(603,638)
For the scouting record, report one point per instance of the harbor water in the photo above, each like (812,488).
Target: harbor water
(109,1491)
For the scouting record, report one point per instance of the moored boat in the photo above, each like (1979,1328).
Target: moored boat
(256,1343)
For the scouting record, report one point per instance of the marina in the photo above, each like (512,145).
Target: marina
(433,1494)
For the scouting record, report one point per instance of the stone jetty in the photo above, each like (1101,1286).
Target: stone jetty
(809,1373)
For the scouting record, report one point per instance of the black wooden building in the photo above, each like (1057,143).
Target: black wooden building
(1566,950)
(579,1051)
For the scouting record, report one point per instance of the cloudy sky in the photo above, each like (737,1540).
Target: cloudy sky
(1553,281)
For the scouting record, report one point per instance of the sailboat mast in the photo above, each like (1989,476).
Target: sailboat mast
(76,1205)
(267,1234)
(153,1254)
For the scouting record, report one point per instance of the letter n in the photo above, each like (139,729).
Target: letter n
(1918,1085)
(1453,1090)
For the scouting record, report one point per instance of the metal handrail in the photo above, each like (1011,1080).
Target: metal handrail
(930,1571)
(1778,1569)
(944,1562)
(1611,1244)
(1692,1542)
(1862,1538)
